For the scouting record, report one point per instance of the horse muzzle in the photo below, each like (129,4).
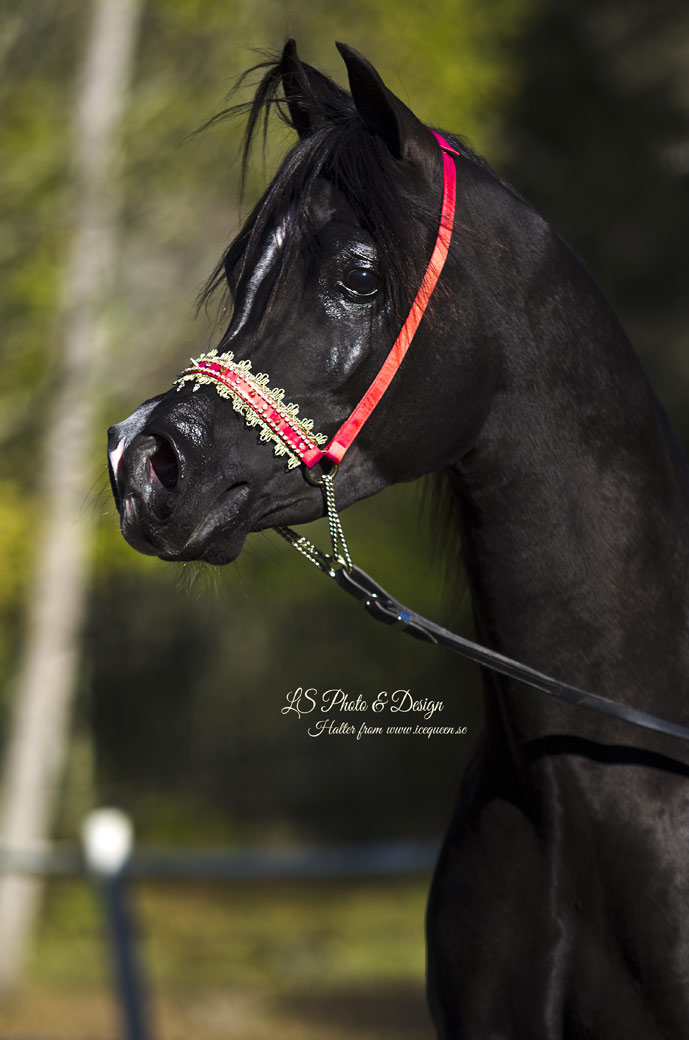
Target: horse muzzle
(151,457)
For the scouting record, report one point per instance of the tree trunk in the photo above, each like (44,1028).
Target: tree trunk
(48,675)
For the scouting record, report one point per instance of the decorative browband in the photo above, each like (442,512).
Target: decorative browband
(252,398)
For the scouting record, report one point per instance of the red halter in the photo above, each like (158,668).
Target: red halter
(263,407)
(351,426)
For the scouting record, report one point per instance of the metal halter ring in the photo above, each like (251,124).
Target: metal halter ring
(319,481)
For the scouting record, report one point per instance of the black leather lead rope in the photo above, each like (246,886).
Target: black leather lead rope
(383,607)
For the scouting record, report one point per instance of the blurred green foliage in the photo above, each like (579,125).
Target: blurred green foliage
(185,669)
(598,140)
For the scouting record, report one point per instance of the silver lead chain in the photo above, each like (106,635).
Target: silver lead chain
(339,554)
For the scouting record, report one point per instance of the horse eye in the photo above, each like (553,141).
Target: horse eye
(362,281)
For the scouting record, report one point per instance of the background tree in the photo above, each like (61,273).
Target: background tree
(37,738)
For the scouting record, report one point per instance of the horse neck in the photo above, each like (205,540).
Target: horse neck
(574,510)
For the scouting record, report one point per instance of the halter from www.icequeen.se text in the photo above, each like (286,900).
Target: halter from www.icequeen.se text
(558,906)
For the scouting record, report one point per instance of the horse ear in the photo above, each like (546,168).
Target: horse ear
(384,114)
(302,105)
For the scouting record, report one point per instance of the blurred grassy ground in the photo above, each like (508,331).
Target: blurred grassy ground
(327,960)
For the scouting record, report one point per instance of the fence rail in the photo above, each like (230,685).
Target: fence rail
(109,858)
(247,863)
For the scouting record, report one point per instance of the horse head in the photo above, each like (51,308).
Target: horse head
(321,277)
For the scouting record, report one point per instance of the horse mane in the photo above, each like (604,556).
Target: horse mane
(342,150)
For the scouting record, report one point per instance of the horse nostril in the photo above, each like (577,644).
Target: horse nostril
(164,463)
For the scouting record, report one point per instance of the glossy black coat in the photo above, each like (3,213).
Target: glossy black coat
(560,905)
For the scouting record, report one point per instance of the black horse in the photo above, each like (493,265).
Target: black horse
(560,905)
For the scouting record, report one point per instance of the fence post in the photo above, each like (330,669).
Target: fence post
(107,836)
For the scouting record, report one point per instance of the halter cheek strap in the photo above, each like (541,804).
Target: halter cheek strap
(291,435)
(351,426)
